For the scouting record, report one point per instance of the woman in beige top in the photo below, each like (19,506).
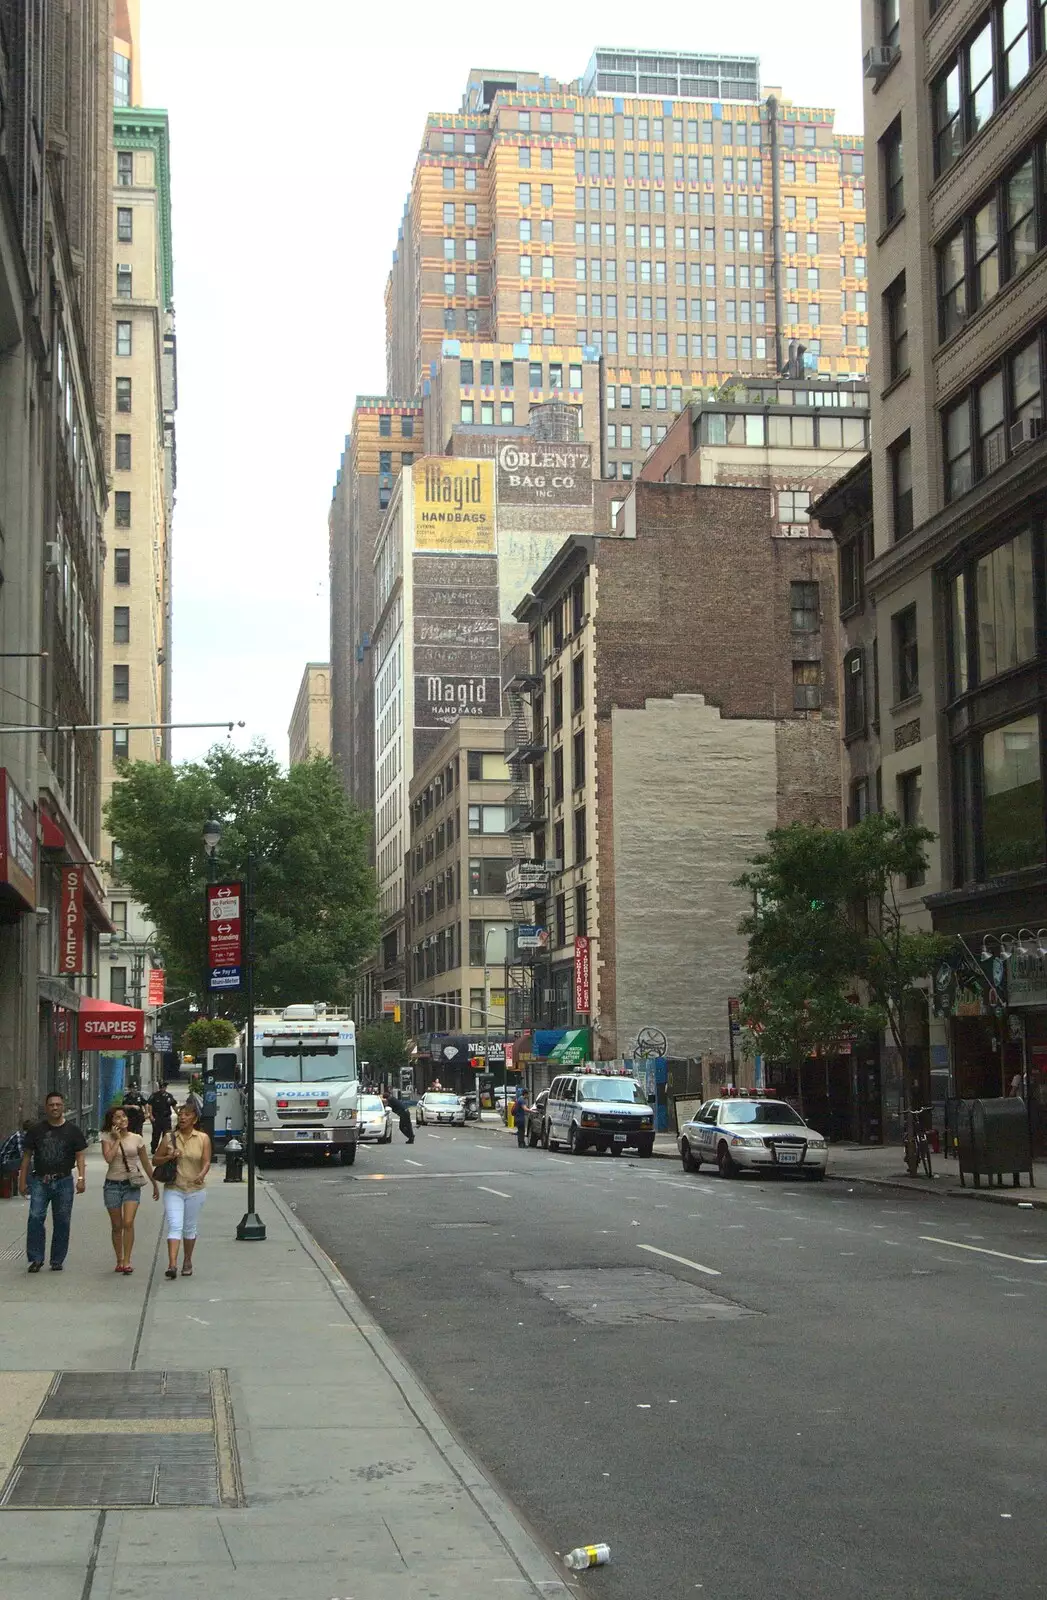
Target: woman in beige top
(129,1168)
(185,1196)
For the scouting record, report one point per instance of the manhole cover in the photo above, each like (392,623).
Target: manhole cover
(617,1297)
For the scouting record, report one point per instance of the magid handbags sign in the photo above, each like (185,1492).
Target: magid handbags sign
(453,505)
(71,922)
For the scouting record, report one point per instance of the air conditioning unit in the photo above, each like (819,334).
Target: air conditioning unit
(52,557)
(878,61)
(1026,432)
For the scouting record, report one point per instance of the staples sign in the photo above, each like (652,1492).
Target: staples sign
(71,922)
(109,1032)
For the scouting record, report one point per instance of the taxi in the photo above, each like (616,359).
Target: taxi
(754,1131)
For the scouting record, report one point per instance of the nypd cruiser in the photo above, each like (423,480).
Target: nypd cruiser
(750,1129)
(587,1109)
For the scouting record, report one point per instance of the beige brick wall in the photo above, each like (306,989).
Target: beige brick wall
(694,796)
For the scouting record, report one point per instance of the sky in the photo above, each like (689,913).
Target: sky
(291,158)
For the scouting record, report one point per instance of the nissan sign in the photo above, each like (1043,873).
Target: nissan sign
(531,474)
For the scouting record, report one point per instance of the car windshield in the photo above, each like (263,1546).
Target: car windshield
(764,1111)
(441,1099)
(612,1089)
(371,1104)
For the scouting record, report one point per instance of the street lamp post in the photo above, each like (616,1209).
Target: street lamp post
(250,1227)
(212,836)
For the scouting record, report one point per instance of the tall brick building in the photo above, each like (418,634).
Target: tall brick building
(680,707)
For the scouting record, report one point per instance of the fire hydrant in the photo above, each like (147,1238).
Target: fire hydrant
(234,1162)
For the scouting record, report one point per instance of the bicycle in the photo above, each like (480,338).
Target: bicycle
(916,1144)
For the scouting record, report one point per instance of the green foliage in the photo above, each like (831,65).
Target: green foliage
(207,1033)
(314,891)
(382,1046)
(826,930)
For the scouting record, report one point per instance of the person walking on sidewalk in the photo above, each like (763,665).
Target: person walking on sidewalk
(161,1107)
(184,1194)
(400,1111)
(127,1156)
(52,1148)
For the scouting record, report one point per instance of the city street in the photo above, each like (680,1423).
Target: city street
(742,1387)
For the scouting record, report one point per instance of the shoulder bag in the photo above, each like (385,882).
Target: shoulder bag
(135,1175)
(167,1171)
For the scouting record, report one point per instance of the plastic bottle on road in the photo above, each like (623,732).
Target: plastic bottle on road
(587,1555)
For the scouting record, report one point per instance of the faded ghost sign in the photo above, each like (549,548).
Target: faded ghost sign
(531,474)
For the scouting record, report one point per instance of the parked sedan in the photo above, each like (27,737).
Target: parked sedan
(758,1134)
(440,1107)
(376,1120)
(536,1120)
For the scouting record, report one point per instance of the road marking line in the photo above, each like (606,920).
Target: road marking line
(696,1265)
(1027,1261)
(499,1192)
(411,1163)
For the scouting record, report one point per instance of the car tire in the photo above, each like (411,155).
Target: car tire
(614,1149)
(576,1145)
(691,1162)
(543,1137)
(532,1138)
(551,1143)
(347,1154)
(816,1175)
(645,1148)
(725,1162)
(389,1137)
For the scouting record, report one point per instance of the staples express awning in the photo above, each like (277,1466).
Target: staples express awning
(103,1025)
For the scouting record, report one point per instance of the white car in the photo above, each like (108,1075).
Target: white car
(440,1107)
(376,1120)
(742,1131)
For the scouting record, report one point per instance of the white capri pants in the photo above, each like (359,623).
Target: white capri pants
(183,1212)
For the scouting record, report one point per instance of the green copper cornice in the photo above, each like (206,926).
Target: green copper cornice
(136,128)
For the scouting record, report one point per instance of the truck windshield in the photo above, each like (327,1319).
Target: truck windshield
(297,1061)
(612,1089)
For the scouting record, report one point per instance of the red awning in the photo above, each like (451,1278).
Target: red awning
(51,835)
(103,1025)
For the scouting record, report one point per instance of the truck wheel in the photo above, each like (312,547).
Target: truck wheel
(347,1154)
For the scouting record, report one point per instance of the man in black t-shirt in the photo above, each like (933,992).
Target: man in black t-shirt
(161,1109)
(52,1149)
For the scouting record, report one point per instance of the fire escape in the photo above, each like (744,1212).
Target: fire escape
(525,743)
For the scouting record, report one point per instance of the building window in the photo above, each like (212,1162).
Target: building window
(121,565)
(123,394)
(118,985)
(121,624)
(122,452)
(581,909)
(1001,413)
(123,283)
(805,606)
(910,809)
(560,914)
(121,744)
(807,685)
(900,467)
(1004,607)
(854,710)
(896,320)
(124,224)
(123,338)
(1012,824)
(578,762)
(581,847)
(851,574)
(577,682)
(121,682)
(125,166)
(122,503)
(906,655)
(858,802)
(487,819)
(794,505)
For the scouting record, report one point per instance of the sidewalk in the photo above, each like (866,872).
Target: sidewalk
(880,1164)
(301,1457)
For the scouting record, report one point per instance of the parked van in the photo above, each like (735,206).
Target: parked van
(601,1110)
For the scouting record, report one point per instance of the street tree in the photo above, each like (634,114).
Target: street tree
(314,890)
(383,1047)
(831,956)
(207,1033)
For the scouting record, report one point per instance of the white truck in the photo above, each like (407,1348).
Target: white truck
(306,1082)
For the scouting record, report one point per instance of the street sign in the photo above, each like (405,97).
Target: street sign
(581,974)
(529,936)
(163,1042)
(224,935)
(155,995)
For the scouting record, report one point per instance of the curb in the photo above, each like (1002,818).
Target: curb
(1004,1197)
(535,1566)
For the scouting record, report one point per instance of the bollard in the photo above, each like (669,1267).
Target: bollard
(234,1162)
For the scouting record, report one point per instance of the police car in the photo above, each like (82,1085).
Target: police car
(753,1130)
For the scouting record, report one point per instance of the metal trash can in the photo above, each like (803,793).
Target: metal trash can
(993,1138)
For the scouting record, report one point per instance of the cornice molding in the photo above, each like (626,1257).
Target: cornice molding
(139,128)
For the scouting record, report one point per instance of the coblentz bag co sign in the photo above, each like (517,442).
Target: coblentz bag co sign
(545,474)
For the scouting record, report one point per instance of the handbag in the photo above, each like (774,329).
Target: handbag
(136,1176)
(166,1171)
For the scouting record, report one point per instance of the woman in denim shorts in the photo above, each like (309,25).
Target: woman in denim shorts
(129,1169)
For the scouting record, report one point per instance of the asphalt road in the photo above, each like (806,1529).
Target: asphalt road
(847,1401)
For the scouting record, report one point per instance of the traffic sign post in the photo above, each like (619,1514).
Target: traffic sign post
(224,936)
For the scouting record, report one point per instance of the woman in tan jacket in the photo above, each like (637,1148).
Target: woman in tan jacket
(185,1195)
